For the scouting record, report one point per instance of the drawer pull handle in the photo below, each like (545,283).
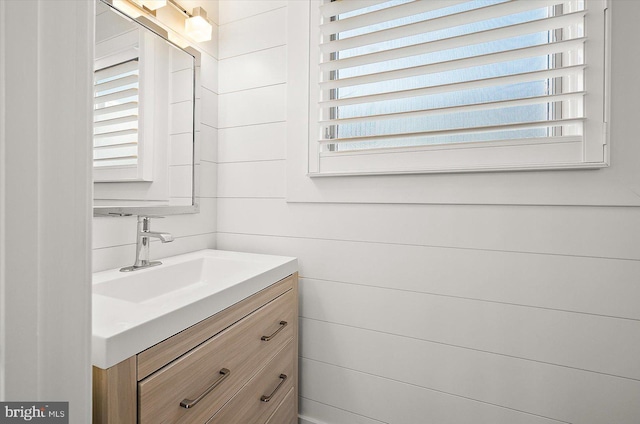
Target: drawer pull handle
(189,403)
(282,325)
(266,398)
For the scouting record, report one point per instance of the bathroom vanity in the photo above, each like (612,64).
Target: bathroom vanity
(205,337)
(238,364)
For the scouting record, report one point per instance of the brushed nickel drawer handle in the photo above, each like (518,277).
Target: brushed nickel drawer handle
(189,403)
(266,398)
(282,325)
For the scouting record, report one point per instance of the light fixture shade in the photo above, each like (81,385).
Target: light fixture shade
(198,28)
(154,4)
(127,8)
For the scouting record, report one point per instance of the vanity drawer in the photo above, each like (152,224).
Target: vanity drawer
(240,349)
(248,406)
(286,412)
(159,355)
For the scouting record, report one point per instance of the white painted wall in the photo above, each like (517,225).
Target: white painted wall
(418,313)
(46,51)
(114,239)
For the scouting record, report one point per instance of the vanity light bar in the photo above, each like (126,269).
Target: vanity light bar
(179,8)
(196,25)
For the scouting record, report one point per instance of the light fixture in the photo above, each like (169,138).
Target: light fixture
(154,4)
(127,8)
(197,26)
(135,8)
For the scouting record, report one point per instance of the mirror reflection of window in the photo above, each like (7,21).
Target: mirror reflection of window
(123,67)
(115,125)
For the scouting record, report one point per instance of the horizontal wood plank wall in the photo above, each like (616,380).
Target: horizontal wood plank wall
(114,239)
(428,313)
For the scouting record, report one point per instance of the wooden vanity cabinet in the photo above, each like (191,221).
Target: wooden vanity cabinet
(237,366)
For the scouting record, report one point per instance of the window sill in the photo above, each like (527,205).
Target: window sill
(544,167)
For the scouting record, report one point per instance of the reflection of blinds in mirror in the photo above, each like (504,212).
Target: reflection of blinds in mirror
(115,128)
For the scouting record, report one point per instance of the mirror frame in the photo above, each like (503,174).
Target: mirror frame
(102,211)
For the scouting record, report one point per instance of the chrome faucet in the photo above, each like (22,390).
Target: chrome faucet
(144,235)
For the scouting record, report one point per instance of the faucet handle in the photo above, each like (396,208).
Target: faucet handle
(144,222)
(146,219)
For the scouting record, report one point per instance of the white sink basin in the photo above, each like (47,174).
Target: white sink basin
(135,310)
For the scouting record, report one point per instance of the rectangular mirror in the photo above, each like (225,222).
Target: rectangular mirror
(144,120)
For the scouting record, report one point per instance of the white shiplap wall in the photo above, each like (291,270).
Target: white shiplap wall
(45,203)
(114,239)
(419,314)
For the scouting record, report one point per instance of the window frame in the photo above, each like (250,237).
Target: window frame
(591,152)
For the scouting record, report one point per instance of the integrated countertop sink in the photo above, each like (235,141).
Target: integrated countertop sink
(133,311)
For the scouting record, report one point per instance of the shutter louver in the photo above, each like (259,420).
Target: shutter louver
(414,73)
(115,129)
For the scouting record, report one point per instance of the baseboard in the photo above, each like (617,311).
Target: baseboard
(306,420)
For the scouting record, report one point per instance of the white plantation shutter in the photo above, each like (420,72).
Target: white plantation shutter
(115,125)
(455,85)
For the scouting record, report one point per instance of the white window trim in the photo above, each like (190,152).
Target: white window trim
(592,152)
(615,185)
